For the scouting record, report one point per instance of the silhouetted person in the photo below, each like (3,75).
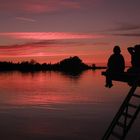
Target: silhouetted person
(116,64)
(135,58)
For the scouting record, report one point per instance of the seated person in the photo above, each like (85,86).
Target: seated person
(116,64)
(135,58)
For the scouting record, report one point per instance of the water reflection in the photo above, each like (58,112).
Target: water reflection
(50,88)
(54,105)
(40,88)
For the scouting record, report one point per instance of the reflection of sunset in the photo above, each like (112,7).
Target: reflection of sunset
(48,89)
(37,104)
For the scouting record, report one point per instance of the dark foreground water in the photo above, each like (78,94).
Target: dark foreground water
(54,106)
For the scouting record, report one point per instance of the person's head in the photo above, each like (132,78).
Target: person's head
(137,48)
(117,50)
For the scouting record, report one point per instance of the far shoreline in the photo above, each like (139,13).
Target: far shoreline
(71,64)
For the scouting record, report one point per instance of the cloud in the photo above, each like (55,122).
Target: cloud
(128,34)
(54,42)
(37,6)
(126,30)
(25,19)
(50,6)
(101,43)
(35,45)
(50,35)
(46,48)
(126,27)
(27,49)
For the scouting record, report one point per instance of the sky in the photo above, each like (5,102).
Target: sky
(51,30)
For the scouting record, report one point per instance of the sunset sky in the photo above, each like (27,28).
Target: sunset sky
(50,30)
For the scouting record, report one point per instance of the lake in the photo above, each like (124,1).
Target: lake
(56,106)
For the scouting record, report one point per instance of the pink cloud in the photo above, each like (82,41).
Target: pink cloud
(44,49)
(36,50)
(45,44)
(50,35)
(26,19)
(38,6)
(50,6)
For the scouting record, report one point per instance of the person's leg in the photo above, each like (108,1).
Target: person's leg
(108,82)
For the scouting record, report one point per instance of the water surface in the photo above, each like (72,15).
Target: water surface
(55,106)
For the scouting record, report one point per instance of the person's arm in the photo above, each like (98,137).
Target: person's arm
(131,50)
